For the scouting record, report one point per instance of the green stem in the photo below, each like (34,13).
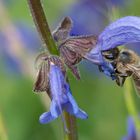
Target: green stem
(128,90)
(44,30)
(3,134)
(42,25)
(72,127)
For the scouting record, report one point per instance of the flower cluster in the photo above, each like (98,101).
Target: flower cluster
(52,73)
(52,79)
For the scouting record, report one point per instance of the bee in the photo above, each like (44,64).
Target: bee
(126,63)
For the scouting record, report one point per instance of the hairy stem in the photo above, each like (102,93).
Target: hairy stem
(42,25)
(72,127)
(44,30)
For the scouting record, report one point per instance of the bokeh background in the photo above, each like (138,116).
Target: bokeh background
(98,95)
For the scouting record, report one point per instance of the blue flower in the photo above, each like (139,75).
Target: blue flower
(122,31)
(91,19)
(61,98)
(31,42)
(131,130)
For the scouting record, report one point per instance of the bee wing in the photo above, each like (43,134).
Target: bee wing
(136,77)
(41,83)
(135,69)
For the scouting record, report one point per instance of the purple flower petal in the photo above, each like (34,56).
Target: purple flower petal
(108,69)
(55,77)
(62,98)
(55,112)
(73,109)
(94,56)
(81,114)
(73,103)
(125,138)
(68,108)
(46,118)
(122,31)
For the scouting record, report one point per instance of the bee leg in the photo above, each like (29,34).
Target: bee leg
(120,80)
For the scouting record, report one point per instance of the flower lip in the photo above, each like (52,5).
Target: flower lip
(62,98)
(123,31)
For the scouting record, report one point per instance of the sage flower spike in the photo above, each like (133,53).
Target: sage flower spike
(123,31)
(61,98)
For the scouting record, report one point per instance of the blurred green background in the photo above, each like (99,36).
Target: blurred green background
(20,108)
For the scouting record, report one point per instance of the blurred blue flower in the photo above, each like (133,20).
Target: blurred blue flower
(8,2)
(89,16)
(122,31)
(29,36)
(61,97)
(9,63)
(29,40)
(131,130)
